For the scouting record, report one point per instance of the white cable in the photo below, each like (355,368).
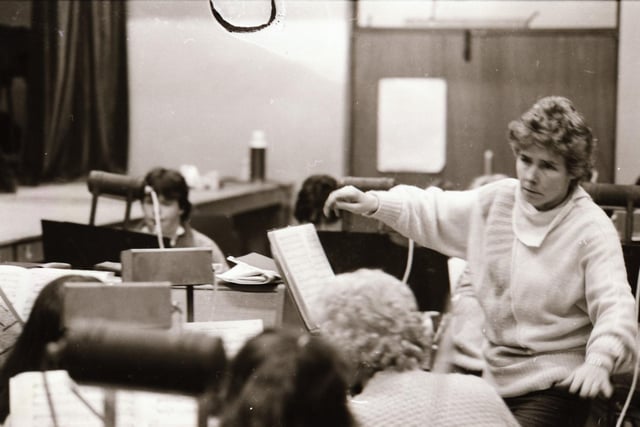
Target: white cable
(407,269)
(156,214)
(634,380)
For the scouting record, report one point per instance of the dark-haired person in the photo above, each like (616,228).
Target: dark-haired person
(282,378)
(546,266)
(174,211)
(310,200)
(44,325)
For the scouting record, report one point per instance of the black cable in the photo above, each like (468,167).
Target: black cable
(47,391)
(237,29)
(76,391)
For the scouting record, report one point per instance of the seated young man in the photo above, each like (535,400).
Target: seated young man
(174,209)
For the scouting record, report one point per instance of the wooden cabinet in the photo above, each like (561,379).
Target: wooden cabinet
(220,302)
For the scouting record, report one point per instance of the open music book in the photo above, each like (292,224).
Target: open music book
(304,265)
(36,403)
(19,286)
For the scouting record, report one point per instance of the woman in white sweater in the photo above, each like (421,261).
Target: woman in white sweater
(546,264)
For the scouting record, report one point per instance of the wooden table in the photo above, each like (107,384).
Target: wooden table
(255,208)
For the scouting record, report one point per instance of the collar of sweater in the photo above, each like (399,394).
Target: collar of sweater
(531,226)
(179,232)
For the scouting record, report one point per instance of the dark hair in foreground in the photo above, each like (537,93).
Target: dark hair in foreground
(311,197)
(281,378)
(555,124)
(171,185)
(44,325)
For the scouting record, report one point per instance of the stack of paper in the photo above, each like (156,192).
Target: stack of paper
(234,333)
(52,398)
(20,286)
(244,273)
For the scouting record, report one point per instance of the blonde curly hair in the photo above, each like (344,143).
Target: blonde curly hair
(374,319)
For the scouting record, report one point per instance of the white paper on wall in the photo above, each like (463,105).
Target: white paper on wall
(412,124)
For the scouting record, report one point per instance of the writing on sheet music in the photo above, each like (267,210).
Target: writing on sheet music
(83,406)
(307,261)
(138,408)
(30,405)
(14,282)
(21,286)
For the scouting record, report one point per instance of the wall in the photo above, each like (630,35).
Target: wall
(550,14)
(495,13)
(627,135)
(499,75)
(197,91)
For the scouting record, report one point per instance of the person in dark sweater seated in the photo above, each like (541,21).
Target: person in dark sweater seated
(174,209)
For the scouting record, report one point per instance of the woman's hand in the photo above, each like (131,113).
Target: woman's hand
(350,199)
(589,381)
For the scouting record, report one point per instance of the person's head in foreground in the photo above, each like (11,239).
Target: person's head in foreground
(286,379)
(173,200)
(374,319)
(553,148)
(44,325)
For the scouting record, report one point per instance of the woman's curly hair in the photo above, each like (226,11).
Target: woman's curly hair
(374,319)
(555,124)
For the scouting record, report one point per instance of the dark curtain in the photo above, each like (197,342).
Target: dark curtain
(77,99)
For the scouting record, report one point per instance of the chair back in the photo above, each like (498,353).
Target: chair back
(626,197)
(219,228)
(429,278)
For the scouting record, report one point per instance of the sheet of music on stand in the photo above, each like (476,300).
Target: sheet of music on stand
(304,265)
(234,333)
(19,286)
(83,406)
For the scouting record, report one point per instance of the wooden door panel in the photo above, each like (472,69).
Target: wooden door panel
(506,72)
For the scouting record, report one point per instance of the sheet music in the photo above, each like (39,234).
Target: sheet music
(14,281)
(83,406)
(29,405)
(39,277)
(148,409)
(234,333)
(300,254)
(10,329)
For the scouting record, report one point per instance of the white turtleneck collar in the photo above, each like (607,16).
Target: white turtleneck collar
(531,226)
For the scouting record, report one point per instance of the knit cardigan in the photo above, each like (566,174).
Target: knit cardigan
(416,398)
(552,285)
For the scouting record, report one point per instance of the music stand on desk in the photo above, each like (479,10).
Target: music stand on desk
(180,266)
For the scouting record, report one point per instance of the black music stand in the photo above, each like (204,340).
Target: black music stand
(84,246)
